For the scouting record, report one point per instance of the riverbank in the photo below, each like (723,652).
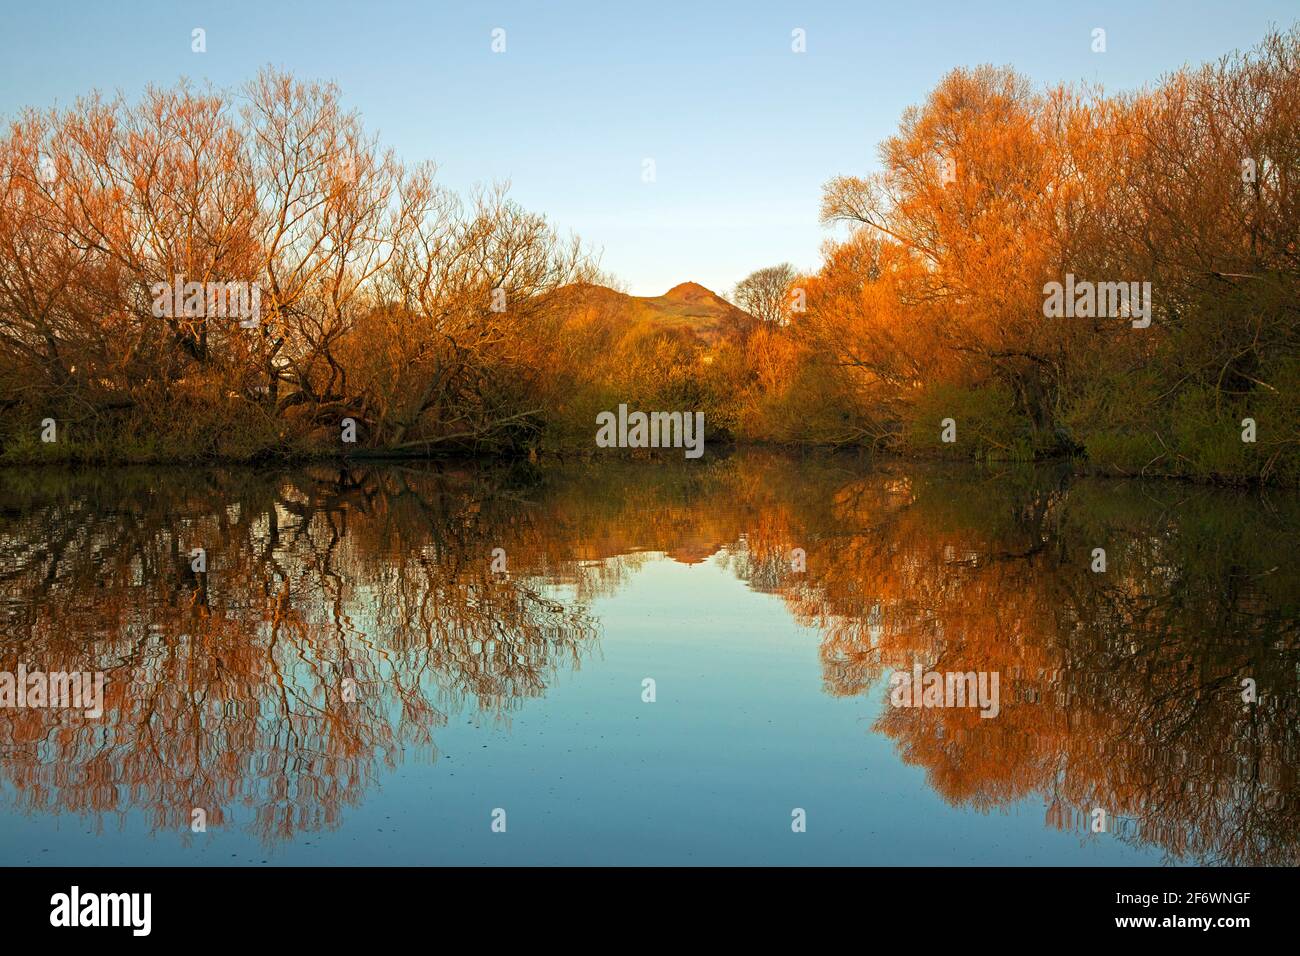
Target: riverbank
(110,455)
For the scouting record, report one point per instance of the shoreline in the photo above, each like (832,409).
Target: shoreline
(1072,465)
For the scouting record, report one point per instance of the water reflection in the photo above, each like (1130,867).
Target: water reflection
(231,687)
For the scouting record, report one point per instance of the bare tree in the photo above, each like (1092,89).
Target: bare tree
(764,294)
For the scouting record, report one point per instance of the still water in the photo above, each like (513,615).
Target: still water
(676,660)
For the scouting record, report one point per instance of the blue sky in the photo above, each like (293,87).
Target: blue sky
(743,131)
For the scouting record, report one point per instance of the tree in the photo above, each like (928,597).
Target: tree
(382,297)
(765,294)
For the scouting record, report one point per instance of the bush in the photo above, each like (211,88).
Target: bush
(987,429)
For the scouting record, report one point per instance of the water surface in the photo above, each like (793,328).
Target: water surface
(350,680)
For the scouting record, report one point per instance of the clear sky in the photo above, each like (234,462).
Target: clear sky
(743,131)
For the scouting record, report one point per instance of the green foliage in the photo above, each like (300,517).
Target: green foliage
(987,428)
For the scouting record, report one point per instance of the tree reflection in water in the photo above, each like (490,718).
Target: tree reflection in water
(1121,690)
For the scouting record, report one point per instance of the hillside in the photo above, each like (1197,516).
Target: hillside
(688,308)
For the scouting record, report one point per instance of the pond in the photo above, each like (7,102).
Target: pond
(647,662)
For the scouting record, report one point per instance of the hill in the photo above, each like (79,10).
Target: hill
(686,309)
